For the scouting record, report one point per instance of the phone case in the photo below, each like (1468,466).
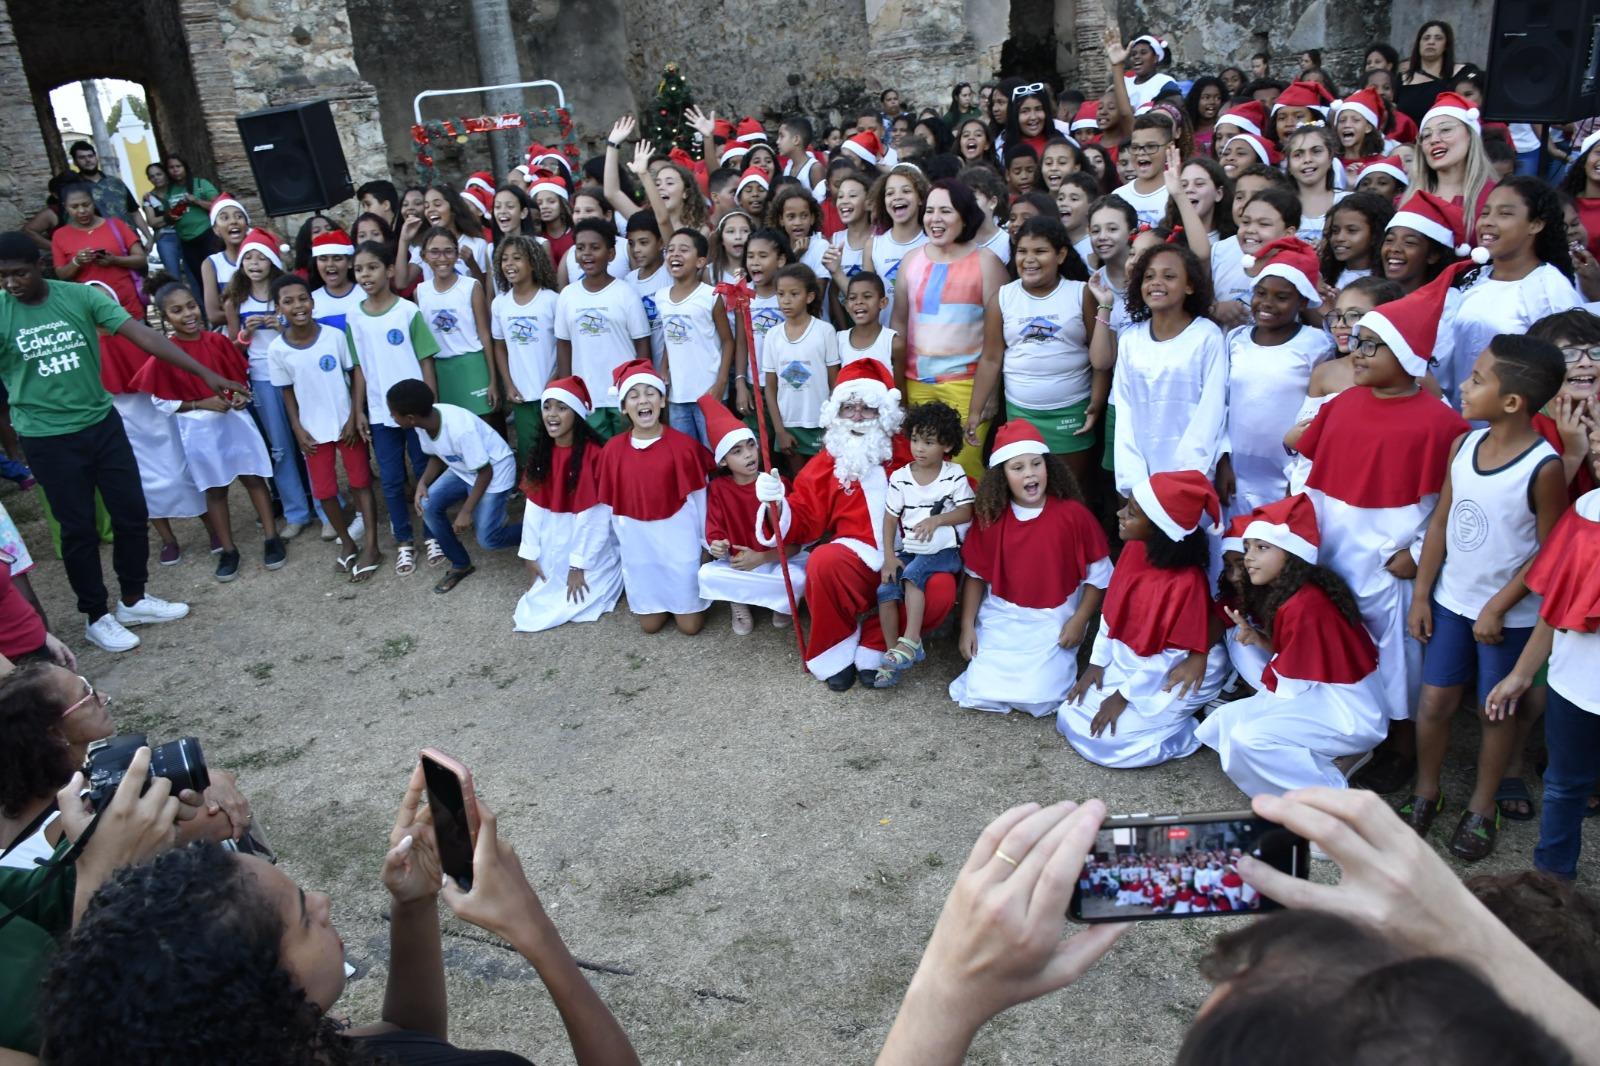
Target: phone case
(464,775)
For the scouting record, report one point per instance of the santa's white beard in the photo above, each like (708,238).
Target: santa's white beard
(855,453)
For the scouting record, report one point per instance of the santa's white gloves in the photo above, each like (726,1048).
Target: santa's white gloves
(769,488)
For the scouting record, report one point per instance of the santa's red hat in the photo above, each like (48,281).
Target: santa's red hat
(721,130)
(1290,524)
(1291,259)
(1366,103)
(1017,437)
(750,132)
(225,201)
(1264,149)
(635,372)
(723,429)
(752,176)
(865,146)
(1452,105)
(332,242)
(1309,94)
(1247,117)
(866,380)
(1410,325)
(540,156)
(541,180)
(1178,500)
(733,153)
(1439,220)
(481,180)
(1088,116)
(1391,165)
(1233,536)
(259,240)
(1157,45)
(572,392)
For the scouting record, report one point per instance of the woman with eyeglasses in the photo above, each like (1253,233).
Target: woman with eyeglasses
(1450,161)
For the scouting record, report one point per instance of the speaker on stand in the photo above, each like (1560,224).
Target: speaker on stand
(296,157)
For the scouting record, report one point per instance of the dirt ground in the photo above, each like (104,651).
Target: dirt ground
(752,862)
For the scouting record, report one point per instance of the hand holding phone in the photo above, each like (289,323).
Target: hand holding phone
(411,868)
(452,806)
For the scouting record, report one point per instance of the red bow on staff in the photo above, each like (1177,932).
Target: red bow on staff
(736,297)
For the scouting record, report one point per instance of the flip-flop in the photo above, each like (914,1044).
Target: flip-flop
(360,574)
(452,579)
(1514,790)
(343,561)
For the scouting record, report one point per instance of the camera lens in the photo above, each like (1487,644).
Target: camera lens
(181,762)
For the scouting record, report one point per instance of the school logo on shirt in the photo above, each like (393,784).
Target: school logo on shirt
(795,374)
(523,329)
(446,321)
(676,328)
(1471,524)
(1039,329)
(453,459)
(395,337)
(53,347)
(764,318)
(327,364)
(591,323)
(852,270)
(650,311)
(892,273)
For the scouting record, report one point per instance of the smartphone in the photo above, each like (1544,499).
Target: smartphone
(1145,867)
(455,813)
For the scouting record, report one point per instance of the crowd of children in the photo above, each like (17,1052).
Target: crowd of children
(1332,373)
(1193,882)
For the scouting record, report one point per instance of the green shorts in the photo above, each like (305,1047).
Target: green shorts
(608,422)
(464,381)
(1057,426)
(807,440)
(1110,423)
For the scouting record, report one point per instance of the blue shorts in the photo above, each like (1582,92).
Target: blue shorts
(918,569)
(1453,657)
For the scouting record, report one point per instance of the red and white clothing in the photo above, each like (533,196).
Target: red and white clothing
(731,510)
(1266,385)
(218,445)
(1152,620)
(1036,562)
(1377,466)
(550,526)
(652,496)
(169,491)
(1567,576)
(1318,700)
(1172,402)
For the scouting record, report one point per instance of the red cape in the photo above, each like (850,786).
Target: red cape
(1380,453)
(1038,563)
(1583,481)
(731,513)
(552,493)
(650,484)
(1314,642)
(211,350)
(120,360)
(1567,574)
(1150,609)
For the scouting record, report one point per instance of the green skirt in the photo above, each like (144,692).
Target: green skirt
(464,381)
(1058,427)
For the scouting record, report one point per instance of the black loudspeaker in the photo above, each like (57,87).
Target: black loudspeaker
(1544,61)
(296,157)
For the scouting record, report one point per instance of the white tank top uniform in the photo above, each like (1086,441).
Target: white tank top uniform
(449,317)
(224,267)
(886,256)
(252,309)
(1046,363)
(852,261)
(1492,530)
(881,349)
(1000,245)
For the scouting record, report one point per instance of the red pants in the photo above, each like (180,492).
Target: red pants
(840,589)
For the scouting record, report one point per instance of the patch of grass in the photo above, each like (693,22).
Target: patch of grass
(406,695)
(635,660)
(396,648)
(135,716)
(628,695)
(265,758)
(549,673)
(261,671)
(933,860)
(506,682)
(632,894)
(864,762)
(674,883)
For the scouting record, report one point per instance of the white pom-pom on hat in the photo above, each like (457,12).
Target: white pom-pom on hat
(1247,261)
(1480,255)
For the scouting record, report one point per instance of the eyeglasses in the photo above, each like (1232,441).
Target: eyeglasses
(1368,346)
(1574,354)
(442,253)
(89,694)
(1346,318)
(1027,90)
(1147,149)
(856,407)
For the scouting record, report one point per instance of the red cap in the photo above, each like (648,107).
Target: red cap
(1017,437)
(1290,524)
(867,380)
(1249,117)
(1291,259)
(1312,94)
(723,429)
(1437,219)
(1264,149)
(1366,103)
(1177,500)
(572,392)
(635,372)
(865,146)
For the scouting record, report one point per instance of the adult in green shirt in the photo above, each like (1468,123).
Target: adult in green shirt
(188,203)
(73,437)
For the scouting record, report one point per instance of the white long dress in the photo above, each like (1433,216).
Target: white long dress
(169,491)
(220,445)
(548,538)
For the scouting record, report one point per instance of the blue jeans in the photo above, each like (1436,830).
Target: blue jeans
(688,418)
(12,470)
(1527,164)
(917,569)
(1572,736)
(391,444)
(170,248)
(267,399)
(488,521)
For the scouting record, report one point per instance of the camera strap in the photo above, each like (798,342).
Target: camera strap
(55,866)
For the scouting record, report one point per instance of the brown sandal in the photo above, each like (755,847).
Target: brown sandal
(1419,812)
(453,578)
(1475,836)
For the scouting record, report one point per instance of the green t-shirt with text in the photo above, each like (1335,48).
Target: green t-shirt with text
(50,358)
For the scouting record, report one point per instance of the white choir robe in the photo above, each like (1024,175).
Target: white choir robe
(1248,660)
(761,587)
(1020,665)
(1156,725)
(1171,399)
(660,558)
(1299,465)
(550,538)
(169,491)
(220,446)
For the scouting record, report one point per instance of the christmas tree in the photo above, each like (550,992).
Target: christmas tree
(668,127)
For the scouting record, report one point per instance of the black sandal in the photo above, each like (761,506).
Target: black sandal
(1514,790)
(453,578)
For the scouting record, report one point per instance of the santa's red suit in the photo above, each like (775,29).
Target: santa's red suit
(842,576)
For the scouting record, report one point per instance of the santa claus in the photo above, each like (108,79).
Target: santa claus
(840,494)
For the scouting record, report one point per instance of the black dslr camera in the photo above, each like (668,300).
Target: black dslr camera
(179,761)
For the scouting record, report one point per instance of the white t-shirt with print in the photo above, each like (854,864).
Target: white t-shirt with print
(649,290)
(528,332)
(911,502)
(801,367)
(466,444)
(387,347)
(602,327)
(881,349)
(316,373)
(694,347)
(1150,206)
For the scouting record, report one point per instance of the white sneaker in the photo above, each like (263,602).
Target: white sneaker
(110,635)
(358,528)
(291,530)
(327,530)
(150,610)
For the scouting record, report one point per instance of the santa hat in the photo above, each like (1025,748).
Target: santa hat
(1293,260)
(572,392)
(723,430)
(482,181)
(1290,524)
(866,380)
(1452,105)
(865,146)
(1017,437)
(1366,103)
(539,155)
(259,240)
(1249,116)
(635,372)
(1177,501)
(1233,537)
(722,130)
(752,176)
(694,167)
(541,180)
(1440,221)
(1157,45)
(1088,116)
(1264,149)
(749,132)
(733,153)
(1391,165)
(224,201)
(1410,325)
(1309,94)
(332,242)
